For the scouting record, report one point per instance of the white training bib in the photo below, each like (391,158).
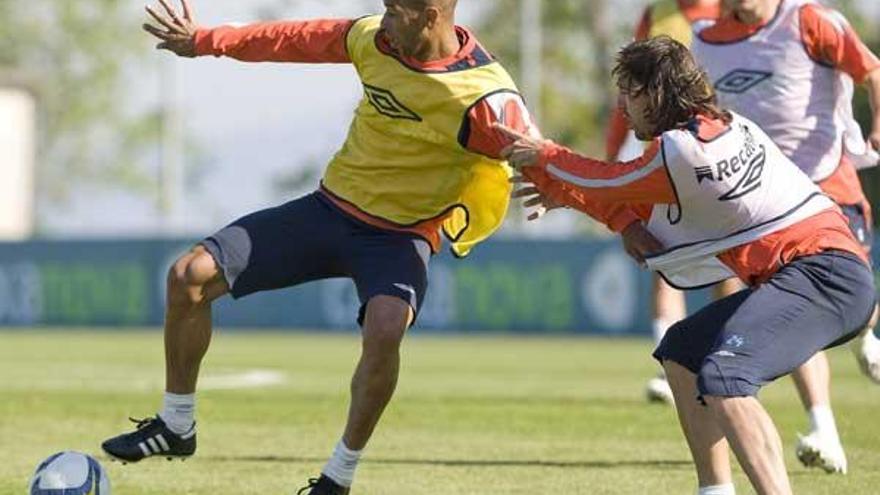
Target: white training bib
(803,105)
(731,191)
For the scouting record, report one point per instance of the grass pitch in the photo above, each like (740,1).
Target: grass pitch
(472,415)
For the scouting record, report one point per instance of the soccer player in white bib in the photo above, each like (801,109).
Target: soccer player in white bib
(678,19)
(719,199)
(790,67)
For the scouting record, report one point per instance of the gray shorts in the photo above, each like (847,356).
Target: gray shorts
(310,239)
(740,343)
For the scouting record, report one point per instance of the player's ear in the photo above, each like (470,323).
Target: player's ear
(432,17)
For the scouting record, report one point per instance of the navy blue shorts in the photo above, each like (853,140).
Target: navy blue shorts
(740,343)
(311,239)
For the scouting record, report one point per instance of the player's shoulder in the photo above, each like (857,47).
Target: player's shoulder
(816,15)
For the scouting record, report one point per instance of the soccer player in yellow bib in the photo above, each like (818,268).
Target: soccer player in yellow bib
(421,158)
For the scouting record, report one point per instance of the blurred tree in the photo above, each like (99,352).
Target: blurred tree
(75,53)
(578,42)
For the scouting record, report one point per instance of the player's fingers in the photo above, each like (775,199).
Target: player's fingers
(171,11)
(518,179)
(187,11)
(511,133)
(507,151)
(536,201)
(160,19)
(537,214)
(524,192)
(163,35)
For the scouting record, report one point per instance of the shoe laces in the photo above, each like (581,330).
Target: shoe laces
(313,482)
(142,423)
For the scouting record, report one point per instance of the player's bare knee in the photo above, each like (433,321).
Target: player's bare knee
(385,324)
(187,279)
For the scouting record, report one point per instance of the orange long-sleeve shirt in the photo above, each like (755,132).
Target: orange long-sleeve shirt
(644,182)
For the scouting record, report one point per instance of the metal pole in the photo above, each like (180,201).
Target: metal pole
(531,48)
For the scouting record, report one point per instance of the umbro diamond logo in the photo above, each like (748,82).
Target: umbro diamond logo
(741,80)
(751,179)
(385,103)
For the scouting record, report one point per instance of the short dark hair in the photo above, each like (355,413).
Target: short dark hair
(665,70)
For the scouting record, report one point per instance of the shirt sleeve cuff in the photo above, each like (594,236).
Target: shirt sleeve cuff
(619,221)
(202,42)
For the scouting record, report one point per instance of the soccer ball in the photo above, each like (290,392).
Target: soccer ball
(70,473)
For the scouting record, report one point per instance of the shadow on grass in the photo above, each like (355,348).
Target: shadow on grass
(655,464)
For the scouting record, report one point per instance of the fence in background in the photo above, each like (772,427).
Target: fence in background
(505,286)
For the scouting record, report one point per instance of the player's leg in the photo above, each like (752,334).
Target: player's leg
(668,308)
(810,304)
(193,282)
(262,251)
(754,439)
(708,446)
(375,377)
(390,271)
(821,447)
(682,352)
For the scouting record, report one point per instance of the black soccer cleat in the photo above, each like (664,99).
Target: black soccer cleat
(323,486)
(151,438)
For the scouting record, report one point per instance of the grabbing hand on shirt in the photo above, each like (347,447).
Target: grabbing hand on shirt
(178,35)
(525,151)
(638,242)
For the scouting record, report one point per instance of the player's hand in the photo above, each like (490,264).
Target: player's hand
(533,198)
(525,151)
(638,242)
(178,33)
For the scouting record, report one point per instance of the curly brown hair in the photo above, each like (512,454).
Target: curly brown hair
(678,89)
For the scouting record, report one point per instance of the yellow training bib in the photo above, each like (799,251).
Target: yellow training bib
(404,160)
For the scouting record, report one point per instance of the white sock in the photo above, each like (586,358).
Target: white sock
(660,326)
(178,412)
(340,468)
(822,421)
(727,489)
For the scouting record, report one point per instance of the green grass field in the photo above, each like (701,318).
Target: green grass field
(472,415)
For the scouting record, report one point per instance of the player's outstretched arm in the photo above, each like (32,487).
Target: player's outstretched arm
(176,31)
(312,41)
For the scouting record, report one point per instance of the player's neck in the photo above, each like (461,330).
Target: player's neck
(761,15)
(439,47)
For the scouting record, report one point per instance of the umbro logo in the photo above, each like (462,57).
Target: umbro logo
(741,80)
(385,103)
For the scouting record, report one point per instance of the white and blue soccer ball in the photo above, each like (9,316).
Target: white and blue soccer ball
(70,473)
